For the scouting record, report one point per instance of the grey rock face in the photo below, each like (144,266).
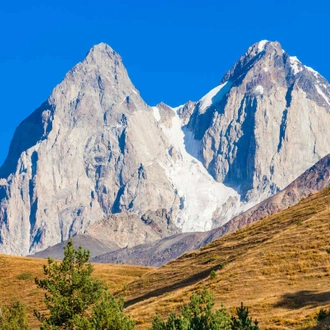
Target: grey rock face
(94,149)
(91,150)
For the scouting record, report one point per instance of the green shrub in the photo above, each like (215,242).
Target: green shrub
(197,314)
(213,274)
(13,317)
(322,314)
(24,276)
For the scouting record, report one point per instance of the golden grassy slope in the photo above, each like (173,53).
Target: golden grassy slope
(278,266)
(17,280)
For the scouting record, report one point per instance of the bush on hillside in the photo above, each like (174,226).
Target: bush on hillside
(13,317)
(197,314)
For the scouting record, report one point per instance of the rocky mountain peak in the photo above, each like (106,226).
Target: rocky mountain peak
(258,53)
(95,149)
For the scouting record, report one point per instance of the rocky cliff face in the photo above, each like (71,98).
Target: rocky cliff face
(262,126)
(91,150)
(94,149)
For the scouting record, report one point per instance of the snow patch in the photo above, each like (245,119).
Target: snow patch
(213,96)
(259,89)
(319,90)
(156,113)
(265,69)
(261,45)
(199,194)
(295,64)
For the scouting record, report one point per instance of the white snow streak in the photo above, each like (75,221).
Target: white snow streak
(215,95)
(319,90)
(156,113)
(295,64)
(259,89)
(315,73)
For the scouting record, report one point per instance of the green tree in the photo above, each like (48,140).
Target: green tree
(107,313)
(13,317)
(243,321)
(198,314)
(70,289)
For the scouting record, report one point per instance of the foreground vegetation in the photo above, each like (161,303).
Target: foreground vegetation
(76,300)
(279,267)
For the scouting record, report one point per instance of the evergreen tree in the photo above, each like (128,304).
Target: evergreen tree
(243,321)
(108,313)
(70,289)
(198,314)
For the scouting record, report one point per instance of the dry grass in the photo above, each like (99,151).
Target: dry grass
(279,267)
(17,276)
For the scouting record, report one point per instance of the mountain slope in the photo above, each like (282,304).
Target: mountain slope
(18,274)
(278,266)
(162,251)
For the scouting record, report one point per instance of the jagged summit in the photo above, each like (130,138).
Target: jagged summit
(101,50)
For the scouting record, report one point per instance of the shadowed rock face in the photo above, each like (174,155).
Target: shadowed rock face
(94,149)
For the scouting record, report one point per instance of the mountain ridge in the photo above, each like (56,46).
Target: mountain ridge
(95,148)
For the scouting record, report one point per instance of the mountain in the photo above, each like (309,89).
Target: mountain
(164,250)
(95,149)
(95,246)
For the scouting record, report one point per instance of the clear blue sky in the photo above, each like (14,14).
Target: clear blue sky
(173,50)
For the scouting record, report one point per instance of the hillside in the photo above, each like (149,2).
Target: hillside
(17,280)
(278,266)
